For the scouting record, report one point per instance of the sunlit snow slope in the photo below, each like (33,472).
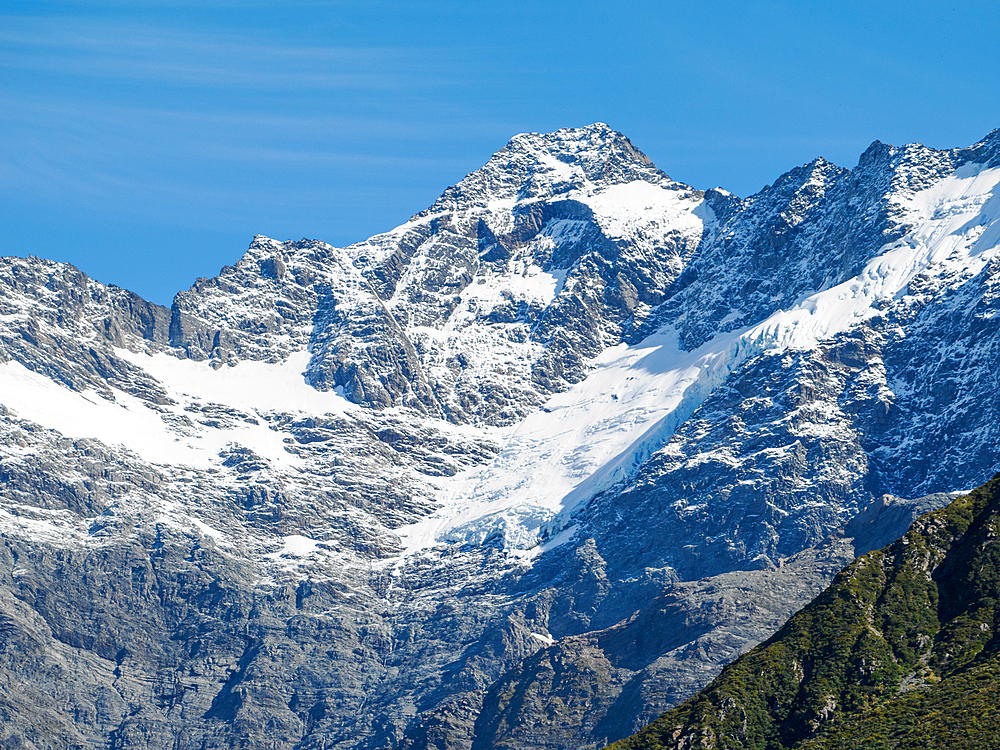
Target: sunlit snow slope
(600,430)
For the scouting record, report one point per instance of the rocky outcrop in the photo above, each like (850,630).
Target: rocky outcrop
(523,472)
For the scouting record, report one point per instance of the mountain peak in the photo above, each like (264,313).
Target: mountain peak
(544,165)
(600,152)
(598,137)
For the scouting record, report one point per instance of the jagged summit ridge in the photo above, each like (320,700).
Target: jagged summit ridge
(536,165)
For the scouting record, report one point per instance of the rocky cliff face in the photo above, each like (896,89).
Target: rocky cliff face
(522,472)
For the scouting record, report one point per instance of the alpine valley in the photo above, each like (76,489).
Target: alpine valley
(524,472)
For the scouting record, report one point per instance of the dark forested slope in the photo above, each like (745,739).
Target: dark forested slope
(900,652)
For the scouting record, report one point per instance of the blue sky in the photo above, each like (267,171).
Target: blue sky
(148,142)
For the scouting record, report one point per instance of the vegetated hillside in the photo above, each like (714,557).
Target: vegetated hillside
(900,652)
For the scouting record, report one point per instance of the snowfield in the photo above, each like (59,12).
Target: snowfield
(585,439)
(597,432)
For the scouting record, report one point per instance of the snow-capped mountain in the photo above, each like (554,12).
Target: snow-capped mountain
(521,472)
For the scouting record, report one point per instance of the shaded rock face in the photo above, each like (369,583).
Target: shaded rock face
(60,324)
(523,472)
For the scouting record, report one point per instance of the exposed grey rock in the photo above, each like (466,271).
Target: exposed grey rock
(889,518)
(240,569)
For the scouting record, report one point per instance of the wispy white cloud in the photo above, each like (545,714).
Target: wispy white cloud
(169,56)
(198,167)
(47,110)
(123,112)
